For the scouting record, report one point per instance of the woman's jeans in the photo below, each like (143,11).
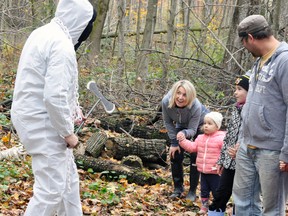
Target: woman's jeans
(257,173)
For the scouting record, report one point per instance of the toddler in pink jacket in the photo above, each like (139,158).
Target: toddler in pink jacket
(208,147)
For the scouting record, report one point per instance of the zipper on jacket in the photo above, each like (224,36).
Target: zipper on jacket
(205,152)
(179,115)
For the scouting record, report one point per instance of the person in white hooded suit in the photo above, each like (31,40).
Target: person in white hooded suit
(45,107)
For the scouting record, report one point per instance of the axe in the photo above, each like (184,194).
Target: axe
(108,106)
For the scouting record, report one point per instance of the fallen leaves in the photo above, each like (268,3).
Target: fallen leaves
(98,196)
(6,138)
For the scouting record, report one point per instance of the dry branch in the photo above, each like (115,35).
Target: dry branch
(14,153)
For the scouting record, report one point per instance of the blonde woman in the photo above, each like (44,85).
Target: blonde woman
(183,114)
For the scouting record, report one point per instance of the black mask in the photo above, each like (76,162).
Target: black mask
(86,31)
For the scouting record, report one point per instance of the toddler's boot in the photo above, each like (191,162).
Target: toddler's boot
(204,207)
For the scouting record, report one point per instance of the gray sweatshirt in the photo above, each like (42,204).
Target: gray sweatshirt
(185,119)
(265,117)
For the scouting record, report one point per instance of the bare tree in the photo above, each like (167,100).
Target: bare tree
(121,39)
(204,29)
(186,20)
(142,59)
(243,9)
(138,27)
(96,35)
(128,16)
(170,39)
(2,21)
(280,19)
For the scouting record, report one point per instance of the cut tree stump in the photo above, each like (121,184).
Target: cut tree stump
(96,143)
(149,150)
(132,175)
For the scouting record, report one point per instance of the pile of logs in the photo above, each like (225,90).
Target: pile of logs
(132,153)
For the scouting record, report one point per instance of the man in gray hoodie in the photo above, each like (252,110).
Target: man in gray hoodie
(264,140)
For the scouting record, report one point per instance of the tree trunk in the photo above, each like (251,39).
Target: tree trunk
(160,32)
(2,26)
(276,17)
(127,125)
(116,170)
(242,57)
(142,64)
(96,35)
(121,39)
(186,20)
(108,25)
(33,15)
(170,40)
(128,15)
(280,22)
(138,29)
(149,150)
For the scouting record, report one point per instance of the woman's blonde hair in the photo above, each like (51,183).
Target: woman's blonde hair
(190,92)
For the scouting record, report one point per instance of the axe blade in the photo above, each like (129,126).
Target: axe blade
(108,106)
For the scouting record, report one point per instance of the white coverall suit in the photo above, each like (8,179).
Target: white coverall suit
(45,103)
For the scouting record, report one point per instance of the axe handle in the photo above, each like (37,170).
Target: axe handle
(90,111)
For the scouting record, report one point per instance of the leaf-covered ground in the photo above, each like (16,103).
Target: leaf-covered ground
(99,196)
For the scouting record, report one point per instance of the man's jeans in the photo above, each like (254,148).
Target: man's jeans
(255,169)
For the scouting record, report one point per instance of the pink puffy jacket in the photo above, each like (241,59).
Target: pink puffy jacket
(208,148)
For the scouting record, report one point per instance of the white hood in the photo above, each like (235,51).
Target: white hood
(69,11)
(45,94)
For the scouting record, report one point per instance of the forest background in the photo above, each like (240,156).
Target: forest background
(137,50)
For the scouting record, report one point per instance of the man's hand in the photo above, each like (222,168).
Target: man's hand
(71,140)
(283,166)
(173,150)
(233,150)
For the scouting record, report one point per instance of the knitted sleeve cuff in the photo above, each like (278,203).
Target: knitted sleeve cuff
(174,142)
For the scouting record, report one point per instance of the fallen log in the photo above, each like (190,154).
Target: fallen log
(132,175)
(149,150)
(135,130)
